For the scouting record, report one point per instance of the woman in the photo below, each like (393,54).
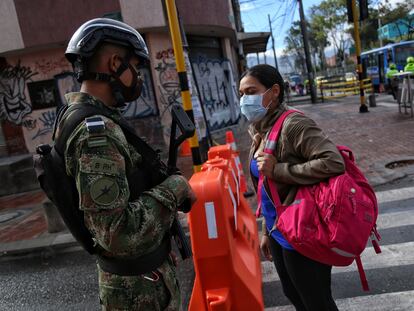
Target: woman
(303,156)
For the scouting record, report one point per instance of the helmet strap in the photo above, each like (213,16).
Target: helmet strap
(114,80)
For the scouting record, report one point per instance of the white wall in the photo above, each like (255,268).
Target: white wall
(11,36)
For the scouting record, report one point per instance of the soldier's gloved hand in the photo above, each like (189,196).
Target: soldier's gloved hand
(190,197)
(186,206)
(174,171)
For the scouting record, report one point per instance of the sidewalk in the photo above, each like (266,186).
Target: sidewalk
(377,138)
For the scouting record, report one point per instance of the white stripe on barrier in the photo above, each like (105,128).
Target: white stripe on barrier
(233,200)
(237,185)
(211,220)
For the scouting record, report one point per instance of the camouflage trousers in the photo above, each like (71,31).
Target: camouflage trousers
(148,292)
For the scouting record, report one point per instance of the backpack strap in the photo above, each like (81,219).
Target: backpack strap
(362,275)
(270,146)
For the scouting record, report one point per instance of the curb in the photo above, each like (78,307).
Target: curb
(52,242)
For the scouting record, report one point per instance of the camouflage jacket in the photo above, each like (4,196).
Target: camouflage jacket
(99,162)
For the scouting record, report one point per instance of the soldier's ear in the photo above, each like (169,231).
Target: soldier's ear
(114,62)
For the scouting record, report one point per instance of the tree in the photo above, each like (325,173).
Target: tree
(294,46)
(330,18)
(318,35)
(368,30)
(399,14)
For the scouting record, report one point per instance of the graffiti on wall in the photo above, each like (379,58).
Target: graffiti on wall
(13,103)
(218,91)
(40,124)
(195,101)
(168,83)
(47,66)
(169,87)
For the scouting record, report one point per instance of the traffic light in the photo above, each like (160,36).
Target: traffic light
(349,11)
(363,9)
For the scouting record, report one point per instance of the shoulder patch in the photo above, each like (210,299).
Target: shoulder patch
(104,191)
(95,125)
(104,166)
(97,141)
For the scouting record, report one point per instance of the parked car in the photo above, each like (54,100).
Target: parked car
(350,76)
(319,80)
(295,80)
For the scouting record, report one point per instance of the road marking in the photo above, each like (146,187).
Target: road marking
(393,255)
(395,219)
(387,104)
(395,195)
(398,301)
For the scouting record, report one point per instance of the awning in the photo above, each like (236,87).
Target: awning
(253,42)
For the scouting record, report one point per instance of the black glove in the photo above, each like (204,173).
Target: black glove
(185,207)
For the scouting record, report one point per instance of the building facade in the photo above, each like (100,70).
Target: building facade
(397,30)
(34,74)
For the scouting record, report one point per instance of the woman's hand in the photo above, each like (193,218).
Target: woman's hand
(266,163)
(265,247)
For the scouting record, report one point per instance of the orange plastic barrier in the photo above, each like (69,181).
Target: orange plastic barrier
(230,140)
(185,150)
(224,239)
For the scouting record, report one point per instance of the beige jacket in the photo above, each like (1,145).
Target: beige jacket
(304,154)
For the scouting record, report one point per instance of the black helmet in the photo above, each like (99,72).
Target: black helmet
(87,39)
(84,41)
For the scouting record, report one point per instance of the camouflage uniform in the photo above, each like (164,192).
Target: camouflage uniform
(122,228)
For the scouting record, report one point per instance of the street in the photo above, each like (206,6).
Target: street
(68,280)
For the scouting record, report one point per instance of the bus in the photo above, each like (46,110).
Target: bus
(375,62)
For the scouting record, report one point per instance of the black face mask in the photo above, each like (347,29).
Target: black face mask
(132,92)
(123,93)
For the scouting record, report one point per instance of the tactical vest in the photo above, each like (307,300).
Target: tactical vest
(61,188)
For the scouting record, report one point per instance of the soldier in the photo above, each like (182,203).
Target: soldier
(392,81)
(409,67)
(128,216)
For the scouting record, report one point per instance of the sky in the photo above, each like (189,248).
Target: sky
(282,13)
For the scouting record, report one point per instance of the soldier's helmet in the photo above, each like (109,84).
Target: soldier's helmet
(410,59)
(91,34)
(393,66)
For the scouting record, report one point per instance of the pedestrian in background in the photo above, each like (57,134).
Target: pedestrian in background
(303,156)
(128,213)
(392,81)
(410,64)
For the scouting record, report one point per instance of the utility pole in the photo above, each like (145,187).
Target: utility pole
(257,56)
(183,77)
(307,54)
(273,42)
(363,107)
(264,56)
(379,26)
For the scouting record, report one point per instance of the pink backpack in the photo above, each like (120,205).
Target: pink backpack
(331,221)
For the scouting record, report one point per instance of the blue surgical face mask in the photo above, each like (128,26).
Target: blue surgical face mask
(252,108)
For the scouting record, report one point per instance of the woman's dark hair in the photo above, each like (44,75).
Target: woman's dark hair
(268,76)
